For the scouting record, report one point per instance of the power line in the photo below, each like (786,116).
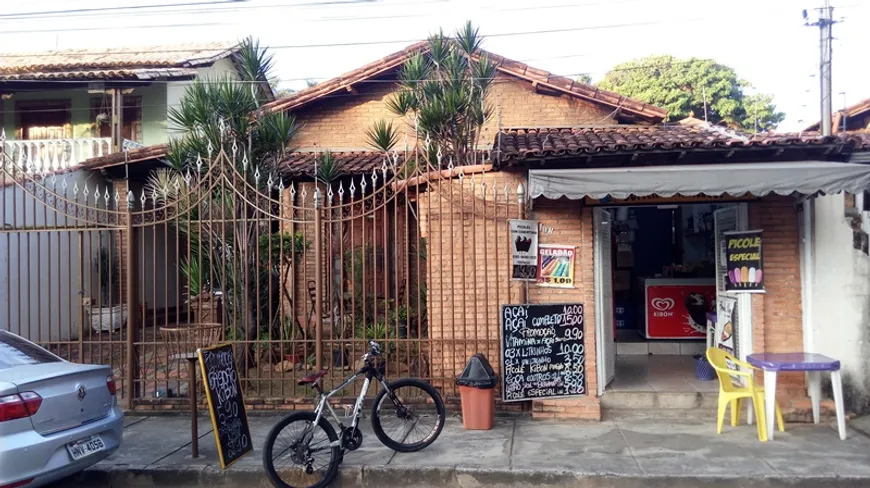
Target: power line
(135,9)
(206,81)
(122,27)
(396,41)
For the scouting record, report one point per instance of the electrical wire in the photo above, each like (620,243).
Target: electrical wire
(400,41)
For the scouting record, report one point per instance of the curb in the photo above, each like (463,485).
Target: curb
(426,477)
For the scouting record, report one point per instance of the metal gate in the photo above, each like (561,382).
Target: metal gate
(299,275)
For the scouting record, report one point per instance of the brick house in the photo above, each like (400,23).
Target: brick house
(579,161)
(548,128)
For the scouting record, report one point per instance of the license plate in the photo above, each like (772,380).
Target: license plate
(85,447)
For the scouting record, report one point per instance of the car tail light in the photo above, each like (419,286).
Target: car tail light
(110,383)
(18,483)
(19,406)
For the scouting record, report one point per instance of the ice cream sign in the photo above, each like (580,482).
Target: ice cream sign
(744,262)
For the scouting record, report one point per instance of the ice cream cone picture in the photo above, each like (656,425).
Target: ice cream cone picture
(743,253)
(556,265)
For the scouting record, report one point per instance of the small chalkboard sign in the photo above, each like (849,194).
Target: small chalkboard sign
(225,405)
(543,351)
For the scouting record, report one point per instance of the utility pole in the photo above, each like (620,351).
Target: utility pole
(825,24)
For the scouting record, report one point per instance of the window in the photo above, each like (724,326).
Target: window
(15,351)
(43,119)
(101,113)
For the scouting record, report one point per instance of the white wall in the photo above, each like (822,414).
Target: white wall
(175,90)
(841,300)
(45,273)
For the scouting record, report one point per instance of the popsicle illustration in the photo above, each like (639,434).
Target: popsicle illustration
(751,280)
(758,276)
(744,275)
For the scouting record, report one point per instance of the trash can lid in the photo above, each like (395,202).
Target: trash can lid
(478,373)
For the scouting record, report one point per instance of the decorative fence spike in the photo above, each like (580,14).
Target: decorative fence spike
(352,189)
(245,162)
(199,163)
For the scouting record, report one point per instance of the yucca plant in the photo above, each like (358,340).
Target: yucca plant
(445,90)
(224,114)
(329,168)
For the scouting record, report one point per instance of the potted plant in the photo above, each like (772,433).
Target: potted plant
(112,314)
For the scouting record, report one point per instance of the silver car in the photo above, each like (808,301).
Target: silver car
(56,417)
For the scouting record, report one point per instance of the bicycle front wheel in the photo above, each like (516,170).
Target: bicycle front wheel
(409,417)
(301,454)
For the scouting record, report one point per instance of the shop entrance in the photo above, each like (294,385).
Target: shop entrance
(656,282)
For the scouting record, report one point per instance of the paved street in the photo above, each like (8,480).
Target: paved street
(518,452)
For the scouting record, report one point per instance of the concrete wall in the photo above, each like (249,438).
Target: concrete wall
(841,300)
(175,90)
(45,274)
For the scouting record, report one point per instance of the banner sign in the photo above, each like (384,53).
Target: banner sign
(744,262)
(524,250)
(726,332)
(556,265)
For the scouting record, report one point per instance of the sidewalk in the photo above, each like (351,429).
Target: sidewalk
(517,452)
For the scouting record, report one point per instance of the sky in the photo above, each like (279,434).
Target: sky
(765,41)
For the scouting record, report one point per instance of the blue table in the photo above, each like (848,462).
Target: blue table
(813,364)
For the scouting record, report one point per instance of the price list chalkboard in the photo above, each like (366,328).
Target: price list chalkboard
(225,405)
(543,351)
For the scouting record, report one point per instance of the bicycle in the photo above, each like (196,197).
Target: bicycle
(317,435)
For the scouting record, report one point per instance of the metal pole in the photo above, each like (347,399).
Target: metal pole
(318,282)
(132,309)
(826,42)
(521,211)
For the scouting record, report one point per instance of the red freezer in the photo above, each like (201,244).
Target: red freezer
(677,308)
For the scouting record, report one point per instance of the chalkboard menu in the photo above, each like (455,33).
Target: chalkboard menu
(543,351)
(225,404)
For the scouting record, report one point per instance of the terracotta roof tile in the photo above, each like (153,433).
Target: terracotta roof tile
(352,163)
(136,155)
(114,63)
(515,144)
(639,109)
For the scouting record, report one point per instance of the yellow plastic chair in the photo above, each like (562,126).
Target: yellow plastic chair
(732,393)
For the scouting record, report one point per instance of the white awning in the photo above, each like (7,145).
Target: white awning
(759,179)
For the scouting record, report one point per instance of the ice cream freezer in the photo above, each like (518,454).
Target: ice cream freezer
(677,308)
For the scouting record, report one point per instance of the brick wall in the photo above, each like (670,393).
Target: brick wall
(572,225)
(777,315)
(468,268)
(339,122)
(470,265)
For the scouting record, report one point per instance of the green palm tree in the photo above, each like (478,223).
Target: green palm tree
(224,231)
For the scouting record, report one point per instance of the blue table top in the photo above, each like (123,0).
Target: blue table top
(793,361)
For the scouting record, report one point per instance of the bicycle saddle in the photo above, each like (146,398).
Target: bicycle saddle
(311,378)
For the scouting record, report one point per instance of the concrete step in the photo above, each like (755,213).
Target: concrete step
(640,404)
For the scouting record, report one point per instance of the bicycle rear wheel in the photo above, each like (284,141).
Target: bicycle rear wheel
(301,454)
(410,417)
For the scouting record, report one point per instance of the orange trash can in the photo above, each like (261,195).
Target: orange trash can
(477,393)
(478,408)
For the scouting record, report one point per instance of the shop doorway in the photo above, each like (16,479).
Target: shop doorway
(658,274)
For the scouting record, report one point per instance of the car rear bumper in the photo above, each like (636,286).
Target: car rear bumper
(29,455)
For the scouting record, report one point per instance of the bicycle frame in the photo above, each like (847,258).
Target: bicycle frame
(370,372)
